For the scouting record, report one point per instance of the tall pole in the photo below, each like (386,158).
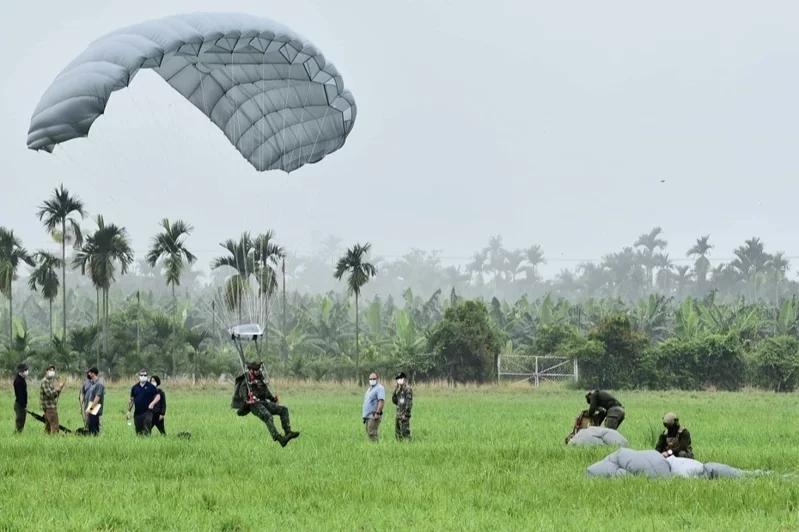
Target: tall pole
(138,322)
(285,346)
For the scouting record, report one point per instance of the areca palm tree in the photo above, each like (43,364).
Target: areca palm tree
(651,242)
(170,245)
(751,260)
(359,274)
(702,264)
(59,216)
(267,255)
(105,250)
(12,254)
(241,258)
(45,279)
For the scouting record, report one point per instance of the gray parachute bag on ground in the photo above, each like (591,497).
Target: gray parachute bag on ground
(271,92)
(628,461)
(591,436)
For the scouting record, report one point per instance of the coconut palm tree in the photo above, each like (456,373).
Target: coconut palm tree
(45,278)
(11,255)
(102,252)
(651,242)
(59,216)
(267,255)
(170,245)
(359,274)
(241,259)
(701,264)
(751,260)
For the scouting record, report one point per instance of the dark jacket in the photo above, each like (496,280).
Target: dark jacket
(160,407)
(21,391)
(258,387)
(676,440)
(601,399)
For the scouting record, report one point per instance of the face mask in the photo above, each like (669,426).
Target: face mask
(154,384)
(142,378)
(51,374)
(400,381)
(372,382)
(25,373)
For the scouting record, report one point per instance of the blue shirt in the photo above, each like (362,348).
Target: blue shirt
(142,397)
(373,395)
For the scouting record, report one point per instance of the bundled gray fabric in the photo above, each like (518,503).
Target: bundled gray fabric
(653,465)
(598,436)
(272,93)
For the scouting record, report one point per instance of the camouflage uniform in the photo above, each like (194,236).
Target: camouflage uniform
(604,407)
(677,440)
(403,398)
(48,398)
(264,407)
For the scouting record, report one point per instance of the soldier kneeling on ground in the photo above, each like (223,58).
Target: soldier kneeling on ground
(604,407)
(252,394)
(675,440)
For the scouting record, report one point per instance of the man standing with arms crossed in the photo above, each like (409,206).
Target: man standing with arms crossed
(373,402)
(49,393)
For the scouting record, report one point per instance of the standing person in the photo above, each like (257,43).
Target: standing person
(94,402)
(84,400)
(252,394)
(160,408)
(403,398)
(373,401)
(144,397)
(49,393)
(21,396)
(603,406)
(675,440)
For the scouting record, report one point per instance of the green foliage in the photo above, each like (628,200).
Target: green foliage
(776,364)
(696,363)
(465,343)
(615,365)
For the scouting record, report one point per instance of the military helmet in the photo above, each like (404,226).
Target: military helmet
(670,419)
(255,365)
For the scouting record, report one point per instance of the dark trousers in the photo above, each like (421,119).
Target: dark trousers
(158,422)
(264,410)
(402,427)
(21,415)
(614,418)
(143,423)
(93,424)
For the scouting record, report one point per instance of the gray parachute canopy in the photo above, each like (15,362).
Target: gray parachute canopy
(270,91)
(598,436)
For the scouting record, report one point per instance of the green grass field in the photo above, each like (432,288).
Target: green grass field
(481,459)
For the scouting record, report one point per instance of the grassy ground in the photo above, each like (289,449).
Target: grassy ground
(481,459)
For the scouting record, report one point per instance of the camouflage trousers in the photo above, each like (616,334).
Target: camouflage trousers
(402,427)
(265,410)
(614,417)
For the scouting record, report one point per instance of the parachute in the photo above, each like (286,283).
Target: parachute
(273,94)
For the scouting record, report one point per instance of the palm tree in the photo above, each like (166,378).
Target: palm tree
(651,242)
(267,255)
(359,274)
(100,254)
(45,278)
(702,264)
(58,216)
(11,255)
(170,246)
(241,259)
(750,260)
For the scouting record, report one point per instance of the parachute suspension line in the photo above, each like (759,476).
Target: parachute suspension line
(283,129)
(302,116)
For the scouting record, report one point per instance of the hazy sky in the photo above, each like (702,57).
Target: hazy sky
(546,122)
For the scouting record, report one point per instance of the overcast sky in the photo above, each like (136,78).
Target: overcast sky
(545,122)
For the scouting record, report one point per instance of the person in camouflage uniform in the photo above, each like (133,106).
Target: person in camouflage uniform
(675,440)
(604,407)
(49,393)
(252,394)
(403,398)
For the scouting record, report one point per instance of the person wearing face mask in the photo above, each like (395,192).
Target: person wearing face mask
(144,397)
(49,393)
(95,401)
(403,398)
(160,408)
(252,394)
(372,411)
(83,400)
(21,396)
(675,440)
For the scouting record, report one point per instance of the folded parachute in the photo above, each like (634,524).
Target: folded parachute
(598,436)
(273,94)
(652,464)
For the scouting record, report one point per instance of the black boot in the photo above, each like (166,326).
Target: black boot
(290,435)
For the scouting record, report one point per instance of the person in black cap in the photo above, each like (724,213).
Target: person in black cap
(21,396)
(144,397)
(252,394)
(160,409)
(403,398)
